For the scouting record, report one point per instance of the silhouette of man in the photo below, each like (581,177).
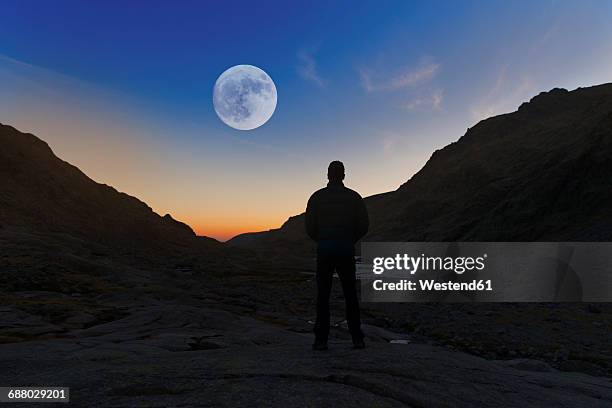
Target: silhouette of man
(336,218)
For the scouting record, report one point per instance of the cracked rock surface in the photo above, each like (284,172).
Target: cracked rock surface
(168,354)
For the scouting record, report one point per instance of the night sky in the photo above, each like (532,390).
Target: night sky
(123,90)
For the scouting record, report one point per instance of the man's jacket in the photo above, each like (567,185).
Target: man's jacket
(336,214)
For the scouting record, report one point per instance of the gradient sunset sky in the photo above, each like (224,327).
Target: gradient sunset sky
(123,90)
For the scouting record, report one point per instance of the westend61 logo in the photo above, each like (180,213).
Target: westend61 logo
(413,264)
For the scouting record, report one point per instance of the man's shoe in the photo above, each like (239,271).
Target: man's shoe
(319,345)
(358,344)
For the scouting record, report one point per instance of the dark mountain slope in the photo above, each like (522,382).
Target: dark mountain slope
(543,173)
(43,194)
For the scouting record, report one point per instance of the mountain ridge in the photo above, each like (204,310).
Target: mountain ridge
(42,192)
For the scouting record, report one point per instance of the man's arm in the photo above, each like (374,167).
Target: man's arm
(363,221)
(311,218)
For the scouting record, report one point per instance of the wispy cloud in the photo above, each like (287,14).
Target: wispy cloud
(431,101)
(307,68)
(436,99)
(413,83)
(406,79)
(542,41)
(504,96)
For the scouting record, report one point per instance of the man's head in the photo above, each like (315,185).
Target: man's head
(335,171)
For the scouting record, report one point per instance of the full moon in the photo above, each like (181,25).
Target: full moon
(244,97)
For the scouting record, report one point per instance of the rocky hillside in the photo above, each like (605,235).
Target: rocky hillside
(41,193)
(540,173)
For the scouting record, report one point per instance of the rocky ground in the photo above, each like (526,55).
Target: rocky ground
(173,353)
(234,333)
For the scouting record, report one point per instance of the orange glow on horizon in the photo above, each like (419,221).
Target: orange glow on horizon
(224,233)
(224,230)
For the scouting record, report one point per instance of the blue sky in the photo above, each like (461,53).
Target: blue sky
(123,90)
